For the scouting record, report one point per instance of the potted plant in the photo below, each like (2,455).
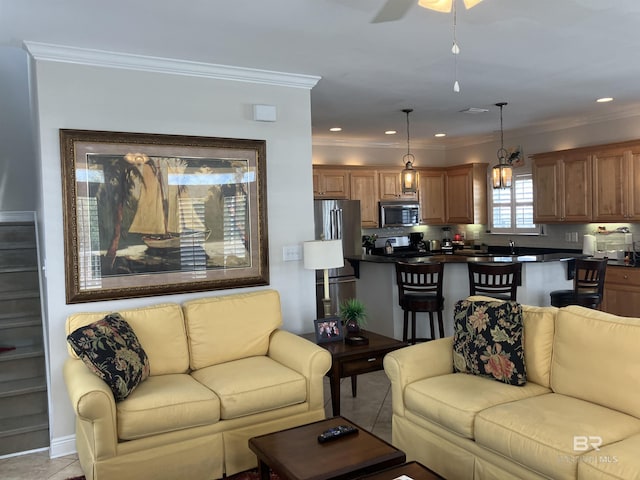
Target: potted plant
(354,315)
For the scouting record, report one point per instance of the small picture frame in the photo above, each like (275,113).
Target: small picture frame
(328,329)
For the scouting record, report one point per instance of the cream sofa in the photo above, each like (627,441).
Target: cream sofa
(221,372)
(578,415)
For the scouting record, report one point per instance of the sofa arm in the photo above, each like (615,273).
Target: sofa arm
(409,364)
(94,406)
(306,358)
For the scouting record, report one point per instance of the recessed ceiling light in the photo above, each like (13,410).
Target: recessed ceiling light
(390,132)
(605,99)
(335,129)
(440,135)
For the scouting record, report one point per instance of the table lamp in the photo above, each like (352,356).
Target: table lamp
(323,255)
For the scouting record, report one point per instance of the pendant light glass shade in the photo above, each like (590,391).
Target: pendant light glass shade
(408,179)
(502,173)
(445,5)
(408,175)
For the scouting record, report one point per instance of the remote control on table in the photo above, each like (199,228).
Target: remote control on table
(336,432)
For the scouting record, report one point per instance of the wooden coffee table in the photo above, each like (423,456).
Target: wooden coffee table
(414,470)
(353,360)
(296,454)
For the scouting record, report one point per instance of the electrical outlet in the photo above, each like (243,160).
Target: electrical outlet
(574,237)
(567,236)
(291,253)
(476,235)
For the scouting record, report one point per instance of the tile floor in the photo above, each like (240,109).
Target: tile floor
(371,409)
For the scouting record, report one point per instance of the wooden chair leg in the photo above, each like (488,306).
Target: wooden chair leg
(433,330)
(405,326)
(413,328)
(440,324)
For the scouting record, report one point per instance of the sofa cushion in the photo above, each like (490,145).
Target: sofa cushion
(111,350)
(540,432)
(252,385)
(230,327)
(615,461)
(487,340)
(454,400)
(160,330)
(165,403)
(595,358)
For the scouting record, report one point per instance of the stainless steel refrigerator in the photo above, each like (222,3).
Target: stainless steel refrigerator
(338,220)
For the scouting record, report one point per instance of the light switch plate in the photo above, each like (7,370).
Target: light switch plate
(291,253)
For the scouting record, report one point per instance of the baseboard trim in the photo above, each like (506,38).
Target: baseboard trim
(62,446)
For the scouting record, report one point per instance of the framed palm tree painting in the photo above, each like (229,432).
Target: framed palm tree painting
(150,214)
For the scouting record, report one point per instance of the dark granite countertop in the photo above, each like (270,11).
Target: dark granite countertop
(465,258)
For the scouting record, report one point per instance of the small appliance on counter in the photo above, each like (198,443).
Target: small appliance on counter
(447,242)
(417,243)
(589,245)
(400,247)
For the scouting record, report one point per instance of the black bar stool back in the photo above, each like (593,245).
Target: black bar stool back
(588,285)
(497,280)
(420,290)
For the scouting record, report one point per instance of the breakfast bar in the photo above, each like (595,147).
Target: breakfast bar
(377,288)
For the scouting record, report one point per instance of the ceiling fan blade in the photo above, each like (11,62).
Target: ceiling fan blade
(471,3)
(393,10)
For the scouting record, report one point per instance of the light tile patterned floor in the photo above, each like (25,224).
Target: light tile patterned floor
(371,409)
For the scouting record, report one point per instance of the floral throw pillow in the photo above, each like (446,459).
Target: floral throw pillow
(111,350)
(487,340)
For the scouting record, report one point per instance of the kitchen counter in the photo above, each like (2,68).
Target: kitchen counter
(462,258)
(377,288)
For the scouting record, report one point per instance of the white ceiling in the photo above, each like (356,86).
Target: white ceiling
(549,59)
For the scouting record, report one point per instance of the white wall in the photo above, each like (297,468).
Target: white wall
(78,96)
(18,175)
(368,155)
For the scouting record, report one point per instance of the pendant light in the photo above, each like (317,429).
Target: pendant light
(502,173)
(408,173)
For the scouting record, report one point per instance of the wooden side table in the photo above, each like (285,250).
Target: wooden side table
(353,360)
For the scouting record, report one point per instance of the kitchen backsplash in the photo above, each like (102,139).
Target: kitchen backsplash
(566,236)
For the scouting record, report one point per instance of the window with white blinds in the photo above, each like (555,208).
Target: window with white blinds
(512,208)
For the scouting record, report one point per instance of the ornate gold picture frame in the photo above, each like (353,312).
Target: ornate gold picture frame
(149,214)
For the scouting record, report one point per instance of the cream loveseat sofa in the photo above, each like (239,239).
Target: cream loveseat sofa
(221,371)
(578,415)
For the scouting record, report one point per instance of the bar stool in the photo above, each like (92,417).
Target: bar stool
(497,280)
(420,290)
(588,285)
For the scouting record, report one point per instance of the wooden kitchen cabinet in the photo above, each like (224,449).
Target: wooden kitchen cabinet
(364,187)
(562,187)
(447,195)
(431,192)
(466,193)
(616,184)
(622,291)
(390,186)
(330,183)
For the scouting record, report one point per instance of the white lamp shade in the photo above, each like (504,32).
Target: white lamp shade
(322,254)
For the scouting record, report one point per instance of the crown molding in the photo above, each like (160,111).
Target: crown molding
(129,61)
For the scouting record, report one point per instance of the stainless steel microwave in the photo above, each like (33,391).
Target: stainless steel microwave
(399,213)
